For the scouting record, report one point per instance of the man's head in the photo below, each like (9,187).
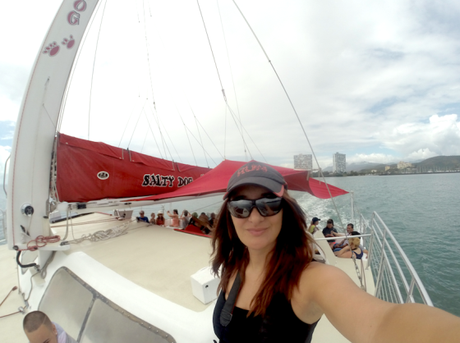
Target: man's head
(38,328)
(330,223)
(141,213)
(350,228)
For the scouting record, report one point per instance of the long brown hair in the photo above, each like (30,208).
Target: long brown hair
(292,253)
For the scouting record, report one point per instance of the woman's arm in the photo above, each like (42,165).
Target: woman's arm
(361,317)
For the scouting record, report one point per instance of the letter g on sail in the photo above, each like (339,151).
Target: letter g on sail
(74,17)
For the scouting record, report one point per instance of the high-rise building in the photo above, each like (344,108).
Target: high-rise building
(303,162)
(339,163)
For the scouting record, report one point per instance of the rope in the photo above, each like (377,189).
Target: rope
(13,289)
(103,235)
(92,71)
(293,108)
(40,242)
(221,85)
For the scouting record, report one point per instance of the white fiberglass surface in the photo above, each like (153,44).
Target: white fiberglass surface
(88,316)
(106,324)
(66,301)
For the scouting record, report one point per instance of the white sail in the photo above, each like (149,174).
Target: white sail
(38,118)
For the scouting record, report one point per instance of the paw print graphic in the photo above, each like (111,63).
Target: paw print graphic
(51,49)
(68,42)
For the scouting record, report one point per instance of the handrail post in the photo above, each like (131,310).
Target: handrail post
(381,265)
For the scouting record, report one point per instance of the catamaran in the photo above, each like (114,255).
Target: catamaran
(99,273)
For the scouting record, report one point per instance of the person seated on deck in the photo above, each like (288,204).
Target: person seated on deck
(39,329)
(201,222)
(212,221)
(344,243)
(330,231)
(313,225)
(351,249)
(206,227)
(174,218)
(152,218)
(160,219)
(142,218)
(184,219)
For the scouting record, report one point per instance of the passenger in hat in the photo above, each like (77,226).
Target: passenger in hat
(330,231)
(313,225)
(273,291)
(160,219)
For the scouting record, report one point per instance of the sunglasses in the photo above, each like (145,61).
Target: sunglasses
(266,206)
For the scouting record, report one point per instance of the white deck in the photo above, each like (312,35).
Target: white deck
(11,326)
(139,257)
(141,254)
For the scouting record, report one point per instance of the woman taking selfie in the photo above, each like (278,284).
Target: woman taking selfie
(273,291)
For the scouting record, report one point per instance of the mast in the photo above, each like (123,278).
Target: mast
(30,165)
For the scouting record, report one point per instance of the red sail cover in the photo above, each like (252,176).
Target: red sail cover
(89,170)
(216,181)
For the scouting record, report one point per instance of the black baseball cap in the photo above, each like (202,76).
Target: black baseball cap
(260,174)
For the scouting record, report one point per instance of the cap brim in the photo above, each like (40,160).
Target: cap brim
(273,186)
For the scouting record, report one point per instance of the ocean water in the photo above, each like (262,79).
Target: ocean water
(420,210)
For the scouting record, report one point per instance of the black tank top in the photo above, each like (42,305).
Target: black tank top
(280,324)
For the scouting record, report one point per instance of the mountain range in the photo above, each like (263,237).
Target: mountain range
(432,163)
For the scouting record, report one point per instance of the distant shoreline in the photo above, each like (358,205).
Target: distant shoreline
(425,173)
(383,174)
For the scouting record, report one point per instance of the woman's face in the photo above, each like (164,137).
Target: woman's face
(257,232)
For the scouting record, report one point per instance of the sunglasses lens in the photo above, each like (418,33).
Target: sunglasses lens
(266,207)
(240,208)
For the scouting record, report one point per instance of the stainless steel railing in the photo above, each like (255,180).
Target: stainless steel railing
(394,276)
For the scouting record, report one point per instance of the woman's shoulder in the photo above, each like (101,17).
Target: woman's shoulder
(317,273)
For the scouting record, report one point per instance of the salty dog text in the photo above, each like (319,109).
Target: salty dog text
(164,180)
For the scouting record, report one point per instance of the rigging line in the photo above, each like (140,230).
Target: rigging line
(135,126)
(209,137)
(148,54)
(72,71)
(165,146)
(260,152)
(156,143)
(201,140)
(145,138)
(228,59)
(239,127)
(293,108)
(157,120)
(188,138)
(225,133)
(218,74)
(191,133)
(129,119)
(212,51)
(92,71)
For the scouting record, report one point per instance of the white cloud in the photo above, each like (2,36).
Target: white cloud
(439,136)
(371,82)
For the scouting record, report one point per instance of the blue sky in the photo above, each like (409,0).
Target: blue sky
(378,81)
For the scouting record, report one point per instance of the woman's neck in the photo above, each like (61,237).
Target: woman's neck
(258,260)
